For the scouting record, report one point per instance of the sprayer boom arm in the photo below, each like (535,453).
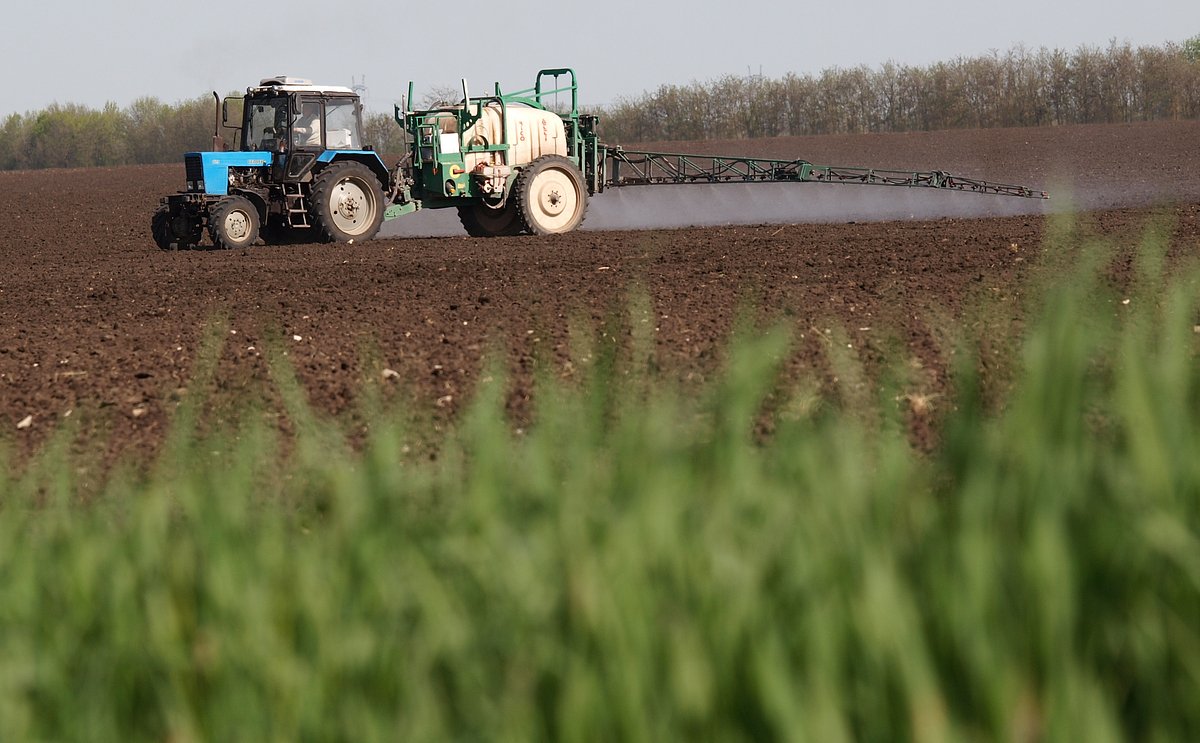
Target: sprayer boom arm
(638,168)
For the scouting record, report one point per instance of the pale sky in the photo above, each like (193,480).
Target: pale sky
(91,52)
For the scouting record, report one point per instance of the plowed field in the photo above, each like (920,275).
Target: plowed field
(96,323)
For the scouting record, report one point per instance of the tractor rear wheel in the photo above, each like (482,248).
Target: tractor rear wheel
(551,196)
(480,220)
(346,202)
(181,233)
(233,223)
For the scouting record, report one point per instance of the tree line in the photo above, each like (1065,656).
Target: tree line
(1020,87)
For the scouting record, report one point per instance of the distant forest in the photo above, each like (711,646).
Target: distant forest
(1020,87)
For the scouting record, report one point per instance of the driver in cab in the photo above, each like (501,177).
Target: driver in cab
(307,131)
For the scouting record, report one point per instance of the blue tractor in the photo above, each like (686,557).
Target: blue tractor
(300,164)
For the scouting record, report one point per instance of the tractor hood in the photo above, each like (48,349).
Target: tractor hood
(208,172)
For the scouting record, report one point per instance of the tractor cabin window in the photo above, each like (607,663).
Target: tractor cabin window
(341,119)
(307,129)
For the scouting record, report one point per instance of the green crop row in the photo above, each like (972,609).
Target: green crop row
(637,566)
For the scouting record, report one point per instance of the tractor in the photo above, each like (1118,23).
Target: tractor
(300,164)
(510,163)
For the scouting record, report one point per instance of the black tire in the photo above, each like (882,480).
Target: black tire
(480,220)
(551,196)
(160,228)
(233,223)
(181,233)
(346,203)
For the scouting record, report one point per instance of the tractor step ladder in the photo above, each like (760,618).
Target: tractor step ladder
(297,205)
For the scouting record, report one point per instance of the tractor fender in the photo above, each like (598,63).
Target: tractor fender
(259,201)
(368,158)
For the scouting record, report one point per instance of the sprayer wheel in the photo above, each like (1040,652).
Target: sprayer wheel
(551,196)
(479,220)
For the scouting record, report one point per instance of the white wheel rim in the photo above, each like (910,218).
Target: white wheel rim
(237,225)
(555,199)
(352,207)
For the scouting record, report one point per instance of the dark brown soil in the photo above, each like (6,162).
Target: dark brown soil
(97,323)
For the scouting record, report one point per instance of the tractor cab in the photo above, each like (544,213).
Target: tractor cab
(298,123)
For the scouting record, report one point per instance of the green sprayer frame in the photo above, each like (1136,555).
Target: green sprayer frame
(438,179)
(638,167)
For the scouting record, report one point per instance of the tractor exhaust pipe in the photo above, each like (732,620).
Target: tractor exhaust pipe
(218,141)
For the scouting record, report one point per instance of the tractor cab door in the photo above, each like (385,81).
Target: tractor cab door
(320,123)
(307,135)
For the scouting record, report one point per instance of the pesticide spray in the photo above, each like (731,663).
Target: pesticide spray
(642,208)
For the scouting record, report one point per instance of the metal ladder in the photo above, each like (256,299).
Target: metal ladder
(297,205)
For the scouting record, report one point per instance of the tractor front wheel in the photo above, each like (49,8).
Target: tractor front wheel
(233,223)
(551,195)
(347,202)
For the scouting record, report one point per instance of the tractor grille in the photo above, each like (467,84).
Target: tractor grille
(195,172)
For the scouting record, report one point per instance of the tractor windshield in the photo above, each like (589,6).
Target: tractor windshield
(266,122)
